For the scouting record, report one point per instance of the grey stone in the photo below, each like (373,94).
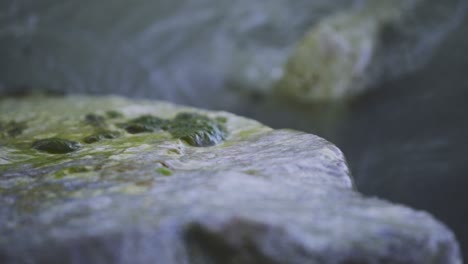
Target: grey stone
(259,196)
(352,50)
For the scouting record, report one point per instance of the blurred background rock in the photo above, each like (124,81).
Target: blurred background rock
(404,136)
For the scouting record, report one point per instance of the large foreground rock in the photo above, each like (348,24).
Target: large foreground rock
(142,193)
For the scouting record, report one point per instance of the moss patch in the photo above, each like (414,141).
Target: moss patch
(221,119)
(101,135)
(11,129)
(112,114)
(72,170)
(164,171)
(251,172)
(95,120)
(64,136)
(197,130)
(56,145)
(146,123)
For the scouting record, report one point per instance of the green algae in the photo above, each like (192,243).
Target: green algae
(173,151)
(221,119)
(71,171)
(248,133)
(137,128)
(142,124)
(56,145)
(101,135)
(197,130)
(32,197)
(251,172)
(164,171)
(12,129)
(105,167)
(112,114)
(64,137)
(95,120)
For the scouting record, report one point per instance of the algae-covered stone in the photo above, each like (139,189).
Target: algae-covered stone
(95,120)
(56,145)
(11,129)
(345,53)
(197,130)
(146,123)
(114,114)
(164,171)
(101,135)
(257,196)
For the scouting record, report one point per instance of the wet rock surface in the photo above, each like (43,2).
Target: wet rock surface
(256,196)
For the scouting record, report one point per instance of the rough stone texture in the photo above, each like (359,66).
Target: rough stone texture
(260,196)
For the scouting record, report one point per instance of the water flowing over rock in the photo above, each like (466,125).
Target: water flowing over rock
(255,195)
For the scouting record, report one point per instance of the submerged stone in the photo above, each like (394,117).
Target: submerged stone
(264,196)
(56,145)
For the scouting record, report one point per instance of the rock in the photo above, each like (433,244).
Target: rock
(187,51)
(55,145)
(346,53)
(257,195)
